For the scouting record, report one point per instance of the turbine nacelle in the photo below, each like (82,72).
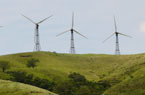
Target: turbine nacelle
(37,26)
(71,30)
(116,32)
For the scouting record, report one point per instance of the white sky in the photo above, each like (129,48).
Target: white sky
(93,18)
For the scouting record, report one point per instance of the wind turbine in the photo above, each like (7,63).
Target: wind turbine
(36,34)
(72,30)
(116,33)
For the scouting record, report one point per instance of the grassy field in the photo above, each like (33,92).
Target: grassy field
(14,88)
(126,73)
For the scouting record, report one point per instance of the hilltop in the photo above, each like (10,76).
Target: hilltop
(125,73)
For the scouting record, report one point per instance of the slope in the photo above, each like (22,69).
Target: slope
(14,88)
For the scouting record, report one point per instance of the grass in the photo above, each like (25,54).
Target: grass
(14,88)
(126,73)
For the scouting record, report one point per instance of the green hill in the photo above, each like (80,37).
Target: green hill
(14,88)
(125,73)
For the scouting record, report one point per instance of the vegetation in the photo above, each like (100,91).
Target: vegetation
(32,62)
(23,77)
(109,74)
(79,85)
(15,88)
(73,86)
(4,65)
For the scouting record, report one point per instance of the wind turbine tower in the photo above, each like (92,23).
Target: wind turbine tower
(117,51)
(72,30)
(37,46)
(116,33)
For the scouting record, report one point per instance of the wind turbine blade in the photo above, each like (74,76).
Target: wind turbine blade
(72,19)
(108,38)
(63,32)
(115,24)
(124,35)
(29,19)
(80,34)
(44,19)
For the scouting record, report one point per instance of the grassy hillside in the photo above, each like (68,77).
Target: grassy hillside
(126,73)
(14,88)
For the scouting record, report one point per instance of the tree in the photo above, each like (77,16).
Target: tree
(4,65)
(65,88)
(84,90)
(43,83)
(32,62)
(78,79)
(18,76)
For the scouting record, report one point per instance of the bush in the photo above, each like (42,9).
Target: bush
(79,85)
(104,83)
(84,90)
(4,65)
(43,83)
(65,88)
(77,79)
(29,79)
(18,76)
(76,85)
(32,62)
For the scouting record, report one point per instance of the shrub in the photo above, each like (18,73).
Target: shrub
(76,85)
(18,76)
(29,79)
(32,62)
(65,88)
(4,65)
(83,90)
(43,83)
(78,79)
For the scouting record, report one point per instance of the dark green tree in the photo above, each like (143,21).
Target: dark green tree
(78,79)
(32,62)
(43,83)
(18,76)
(65,88)
(4,65)
(83,90)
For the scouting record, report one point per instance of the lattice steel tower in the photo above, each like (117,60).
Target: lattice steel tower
(37,46)
(117,51)
(72,48)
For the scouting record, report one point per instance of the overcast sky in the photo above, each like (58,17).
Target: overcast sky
(93,18)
